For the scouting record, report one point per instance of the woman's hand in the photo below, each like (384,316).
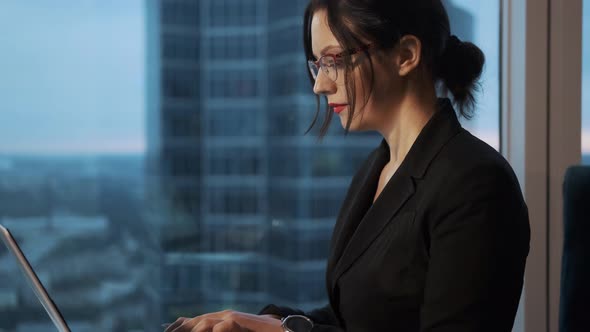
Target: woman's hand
(227,321)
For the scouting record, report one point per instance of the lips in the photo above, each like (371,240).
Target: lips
(337,107)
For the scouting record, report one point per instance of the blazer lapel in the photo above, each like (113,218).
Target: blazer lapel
(359,223)
(397,191)
(356,204)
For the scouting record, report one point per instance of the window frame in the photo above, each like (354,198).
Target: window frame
(541,135)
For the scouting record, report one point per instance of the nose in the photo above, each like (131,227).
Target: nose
(323,84)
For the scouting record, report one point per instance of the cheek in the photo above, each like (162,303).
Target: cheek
(363,90)
(364,112)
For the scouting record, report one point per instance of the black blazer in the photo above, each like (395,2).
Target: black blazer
(442,249)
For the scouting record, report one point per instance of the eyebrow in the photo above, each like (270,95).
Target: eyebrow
(323,51)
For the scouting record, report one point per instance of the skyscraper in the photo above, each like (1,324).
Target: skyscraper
(244,201)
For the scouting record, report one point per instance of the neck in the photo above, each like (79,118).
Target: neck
(403,126)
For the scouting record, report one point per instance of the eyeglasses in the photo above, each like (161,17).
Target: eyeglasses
(332,63)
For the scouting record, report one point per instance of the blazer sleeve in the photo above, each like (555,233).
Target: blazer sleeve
(479,240)
(324,319)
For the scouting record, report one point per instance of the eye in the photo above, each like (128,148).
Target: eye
(329,62)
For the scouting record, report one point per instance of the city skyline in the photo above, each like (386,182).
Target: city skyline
(88,87)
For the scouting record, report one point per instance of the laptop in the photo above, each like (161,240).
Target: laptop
(31,276)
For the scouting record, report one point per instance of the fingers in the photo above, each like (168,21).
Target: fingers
(204,323)
(223,321)
(220,316)
(209,325)
(227,326)
(176,324)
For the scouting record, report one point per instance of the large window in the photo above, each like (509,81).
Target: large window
(136,207)
(586,84)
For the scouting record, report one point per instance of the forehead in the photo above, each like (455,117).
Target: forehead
(321,35)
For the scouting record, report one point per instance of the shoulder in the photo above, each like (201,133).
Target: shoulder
(471,186)
(467,169)
(466,157)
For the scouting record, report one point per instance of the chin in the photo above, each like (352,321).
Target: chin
(360,122)
(355,125)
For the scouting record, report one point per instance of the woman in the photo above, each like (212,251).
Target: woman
(433,234)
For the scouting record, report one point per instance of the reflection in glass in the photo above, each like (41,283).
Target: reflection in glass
(223,204)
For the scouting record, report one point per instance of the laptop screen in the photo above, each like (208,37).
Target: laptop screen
(33,280)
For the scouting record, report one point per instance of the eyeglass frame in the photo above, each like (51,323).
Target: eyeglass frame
(340,55)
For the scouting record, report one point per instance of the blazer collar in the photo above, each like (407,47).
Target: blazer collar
(371,219)
(442,126)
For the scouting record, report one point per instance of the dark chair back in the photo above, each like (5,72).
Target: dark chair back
(574,307)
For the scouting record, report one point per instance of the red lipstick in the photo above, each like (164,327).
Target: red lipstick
(337,107)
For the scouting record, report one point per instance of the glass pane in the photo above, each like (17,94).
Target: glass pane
(478,22)
(72,164)
(586,84)
(153,162)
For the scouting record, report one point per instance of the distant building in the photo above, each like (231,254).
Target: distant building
(98,294)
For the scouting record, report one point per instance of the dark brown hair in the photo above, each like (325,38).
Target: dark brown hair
(455,64)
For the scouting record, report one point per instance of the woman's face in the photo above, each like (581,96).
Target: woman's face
(366,117)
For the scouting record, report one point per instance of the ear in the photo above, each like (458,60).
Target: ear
(409,55)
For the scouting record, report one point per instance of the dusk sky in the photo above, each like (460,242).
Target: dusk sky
(73,76)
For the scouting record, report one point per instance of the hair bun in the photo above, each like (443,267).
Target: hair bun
(460,67)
